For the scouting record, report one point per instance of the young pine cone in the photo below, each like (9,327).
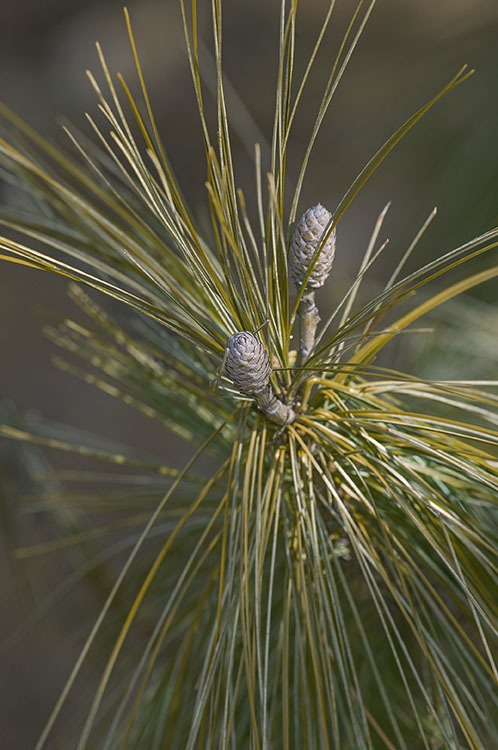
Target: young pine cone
(247,363)
(305,241)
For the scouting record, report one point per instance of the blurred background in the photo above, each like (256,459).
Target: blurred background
(409,50)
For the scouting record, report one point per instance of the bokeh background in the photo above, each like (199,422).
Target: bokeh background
(409,50)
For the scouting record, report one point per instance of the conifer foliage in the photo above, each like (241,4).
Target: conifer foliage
(331,583)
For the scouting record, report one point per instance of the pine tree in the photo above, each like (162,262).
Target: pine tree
(331,583)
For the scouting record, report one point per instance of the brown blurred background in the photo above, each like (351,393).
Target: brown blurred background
(409,50)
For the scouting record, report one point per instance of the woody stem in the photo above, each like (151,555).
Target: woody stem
(308,322)
(273,408)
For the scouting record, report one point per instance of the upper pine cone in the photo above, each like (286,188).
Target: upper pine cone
(247,363)
(304,244)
